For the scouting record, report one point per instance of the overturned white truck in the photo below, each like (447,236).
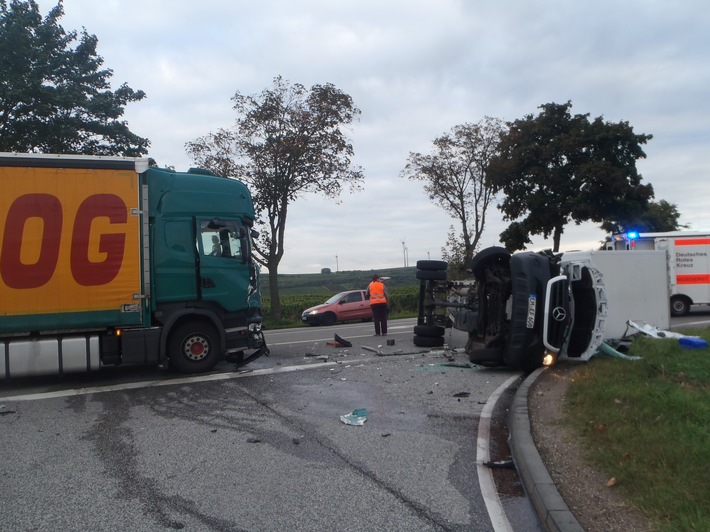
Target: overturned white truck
(521,310)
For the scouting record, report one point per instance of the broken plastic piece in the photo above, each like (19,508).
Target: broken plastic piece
(690,342)
(652,331)
(356,417)
(342,341)
(500,464)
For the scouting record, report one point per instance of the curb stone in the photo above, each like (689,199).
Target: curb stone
(551,508)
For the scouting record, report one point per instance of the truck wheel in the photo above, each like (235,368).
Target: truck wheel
(428,341)
(328,319)
(680,306)
(432,265)
(486,256)
(489,357)
(431,331)
(194,347)
(431,275)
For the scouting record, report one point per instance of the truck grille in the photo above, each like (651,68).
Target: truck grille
(558,314)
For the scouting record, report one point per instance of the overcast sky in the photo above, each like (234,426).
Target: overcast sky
(415,69)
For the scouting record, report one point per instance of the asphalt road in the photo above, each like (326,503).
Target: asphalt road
(264,448)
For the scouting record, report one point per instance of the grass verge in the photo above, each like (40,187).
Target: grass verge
(646,423)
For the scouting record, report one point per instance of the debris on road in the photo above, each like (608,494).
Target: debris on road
(342,342)
(356,417)
(500,464)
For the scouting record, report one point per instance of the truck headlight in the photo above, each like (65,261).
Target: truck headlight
(549,359)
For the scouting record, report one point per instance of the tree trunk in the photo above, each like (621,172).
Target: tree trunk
(275,303)
(556,239)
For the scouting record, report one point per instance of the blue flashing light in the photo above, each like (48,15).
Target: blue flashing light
(632,235)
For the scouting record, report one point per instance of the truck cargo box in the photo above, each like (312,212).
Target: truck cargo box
(70,245)
(636,284)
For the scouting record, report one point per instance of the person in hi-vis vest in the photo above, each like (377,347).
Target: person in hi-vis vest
(377,292)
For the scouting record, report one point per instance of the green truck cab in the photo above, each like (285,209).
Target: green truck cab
(107,261)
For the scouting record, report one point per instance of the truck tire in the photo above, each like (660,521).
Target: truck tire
(328,319)
(431,275)
(431,331)
(194,347)
(434,265)
(428,341)
(489,357)
(484,257)
(680,306)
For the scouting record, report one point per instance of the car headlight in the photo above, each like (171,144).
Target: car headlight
(313,312)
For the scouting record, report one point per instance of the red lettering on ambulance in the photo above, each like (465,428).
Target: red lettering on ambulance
(88,273)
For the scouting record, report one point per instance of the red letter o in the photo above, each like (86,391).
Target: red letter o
(14,272)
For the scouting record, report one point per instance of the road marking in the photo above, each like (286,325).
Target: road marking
(330,338)
(171,382)
(485,475)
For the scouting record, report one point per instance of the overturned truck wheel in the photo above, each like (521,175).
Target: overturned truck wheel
(431,331)
(433,265)
(428,341)
(431,275)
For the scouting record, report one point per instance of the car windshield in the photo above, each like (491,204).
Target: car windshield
(335,298)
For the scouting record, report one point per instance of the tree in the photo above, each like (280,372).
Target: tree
(556,168)
(660,216)
(455,177)
(55,98)
(286,142)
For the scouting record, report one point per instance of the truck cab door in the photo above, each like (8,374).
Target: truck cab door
(224,263)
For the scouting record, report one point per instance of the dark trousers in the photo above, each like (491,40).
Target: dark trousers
(379,315)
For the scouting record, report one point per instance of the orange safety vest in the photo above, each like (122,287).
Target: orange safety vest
(377,293)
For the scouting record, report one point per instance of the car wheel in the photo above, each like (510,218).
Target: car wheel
(680,306)
(194,347)
(434,265)
(431,275)
(428,341)
(483,258)
(431,331)
(328,319)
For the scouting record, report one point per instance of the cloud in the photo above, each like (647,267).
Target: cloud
(415,69)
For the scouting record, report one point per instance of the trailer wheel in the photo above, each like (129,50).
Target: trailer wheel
(428,341)
(432,265)
(194,347)
(680,306)
(429,330)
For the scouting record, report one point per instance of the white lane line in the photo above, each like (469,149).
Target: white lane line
(485,475)
(172,382)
